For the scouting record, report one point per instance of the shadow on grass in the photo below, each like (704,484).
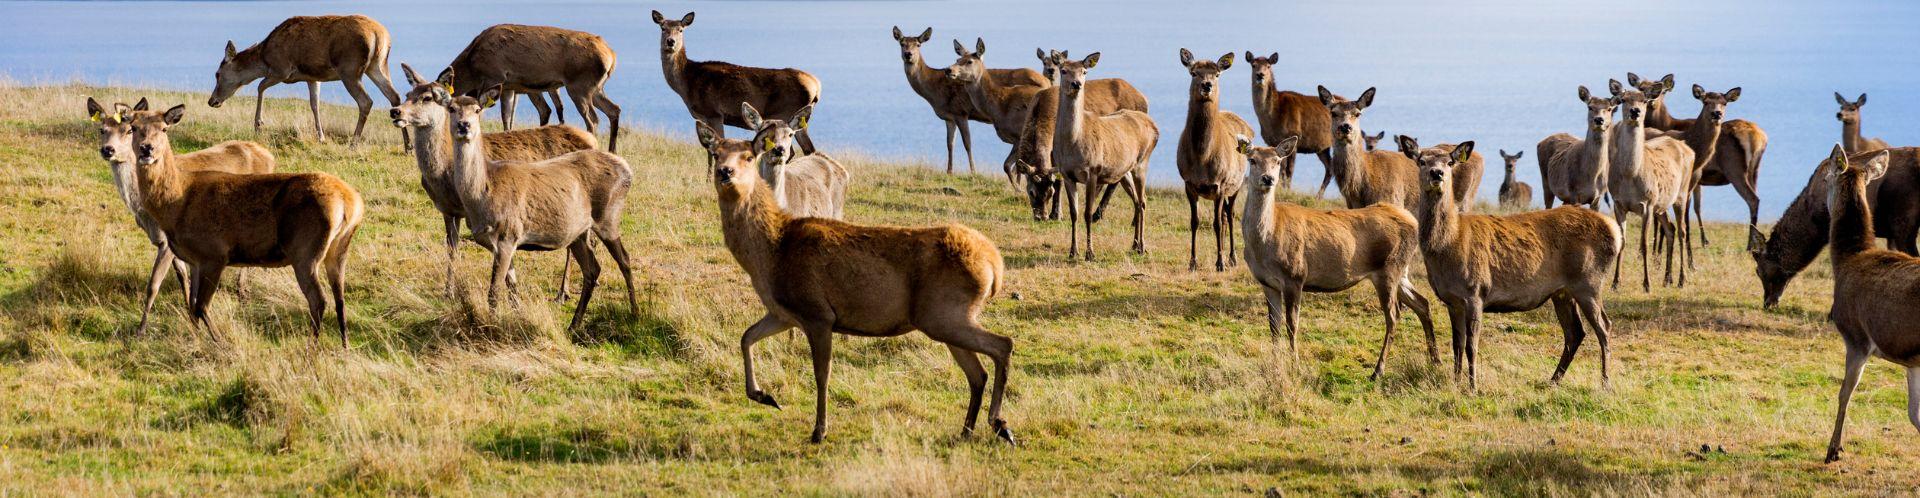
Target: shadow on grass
(1507,472)
(70,290)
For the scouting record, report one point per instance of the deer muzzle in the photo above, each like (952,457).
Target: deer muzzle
(723,174)
(107,152)
(144,153)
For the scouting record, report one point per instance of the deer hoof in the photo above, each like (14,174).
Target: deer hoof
(764,399)
(819,436)
(1833,455)
(1000,429)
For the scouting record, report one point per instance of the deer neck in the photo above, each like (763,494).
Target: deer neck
(470,178)
(1851,229)
(1509,180)
(1262,92)
(752,226)
(433,150)
(1201,116)
(1068,125)
(126,181)
(1657,115)
(1850,136)
(921,76)
(1703,138)
(1439,220)
(775,174)
(1259,217)
(674,67)
(1349,165)
(1799,235)
(1629,150)
(162,188)
(985,92)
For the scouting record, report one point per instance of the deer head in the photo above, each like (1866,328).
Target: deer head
(1847,182)
(1511,160)
(1599,110)
(1205,75)
(1073,74)
(772,136)
(149,129)
(1262,68)
(671,32)
(1268,167)
(464,112)
(1373,141)
(910,45)
(234,71)
(1713,106)
(116,128)
(1849,111)
(734,175)
(969,67)
(426,103)
(1346,114)
(1633,102)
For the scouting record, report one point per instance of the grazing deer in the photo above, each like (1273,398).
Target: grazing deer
(1285,113)
(813,185)
(1212,162)
(1849,117)
(1006,106)
(949,97)
(425,113)
(537,59)
(1647,177)
(1373,141)
(1099,150)
(1513,263)
(214,219)
(1032,155)
(1293,249)
(116,147)
(1873,289)
(1736,157)
(311,49)
(1514,194)
(1365,178)
(539,205)
(828,276)
(713,90)
(1802,231)
(1574,170)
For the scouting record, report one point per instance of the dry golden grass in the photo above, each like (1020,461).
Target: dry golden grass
(1133,376)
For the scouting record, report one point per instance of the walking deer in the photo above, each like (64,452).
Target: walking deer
(814,185)
(1212,162)
(312,49)
(1285,113)
(947,96)
(1574,170)
(1032,155)
(535,60)
(1100,150)
(1736,157)
(1514,194)
(1802,231)
(713,90)
(1849,117)
(1647,177)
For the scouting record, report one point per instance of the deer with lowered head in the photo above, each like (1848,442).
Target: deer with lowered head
(813,185)
(1735,156)
(1506,264)
(831,277)
(213,219)
(713,90)
(1849,117)
(539,205)
(1647,177)
(948,96)
(1514,194)
(1099,150)
(535,60)
(1006,106)
(1293,249)
(1802,231)
(1284,113)
(1211,160)
(311,49)
(1032,155)
(1573,170)
(1873,289)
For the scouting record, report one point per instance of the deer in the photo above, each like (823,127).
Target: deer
(1284,113)
(1373,141)
(1006,106)
(827,276)
(1098,150)
(1032,155)
(215,219)
(1736,157)
(535,60)
(539,205)
(425,113)
(1212,163)
(1513,263)
(116,147)
(1647,177)
(1365,178)
(1704,136)
(814,185)
(312,49)
(1514,194)
(1574,170)
(1802,232)
(947,96)
(1873,289)
(1849,117)
(713,90)
(1292,249)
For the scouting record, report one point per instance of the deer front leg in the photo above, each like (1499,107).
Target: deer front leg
(259,99)
(1856,362)
(502,266)
(313,105)
(767,326)
(820,343)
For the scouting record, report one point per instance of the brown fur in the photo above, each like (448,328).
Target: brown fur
(1366,178)
(1849,117)
(1647,177)
(1006,106)
(1285,113)
(1736,150)
(1100,150)
(1802,231)
(814,185)
(713,90)
(535,59)
(1873,289)
(1514,194)
(1574,170)
(1211,163)
(1373,141)
(312,50)
(1032,154)
(1466,177)
(949,97)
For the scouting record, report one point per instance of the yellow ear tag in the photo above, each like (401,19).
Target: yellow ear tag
(448,87)
(95,117)
(769,143)
(803,121)
(488,104)
(115,118)
(1242,147)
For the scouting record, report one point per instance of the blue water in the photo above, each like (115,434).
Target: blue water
(1499,72)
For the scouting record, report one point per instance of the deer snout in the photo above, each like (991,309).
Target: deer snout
(1077,84)
(1633,114)
(723,174)
(1206,87)
(144,153)
(107,152)
(1345,129)
(1599,122)
(1267,181)
(1436,176)
(1840,116)
(213,102)
(1718,114)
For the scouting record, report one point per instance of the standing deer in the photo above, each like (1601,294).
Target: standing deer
(1212,163)
(535,60)
(539,205)
(814,185)
(312,49)
(1514,263)
(1373,141)
(1873,289)
(1802,231)
(828,276)
(949,97)
(1574,170)
(1365,178)
(713,90)
(1286,113)
(1006,106)
(1647,177)
(1514,194)
(1849,117)
(1735,160)
(1032,155)
(1704,136)
(1099,150)
(214,219)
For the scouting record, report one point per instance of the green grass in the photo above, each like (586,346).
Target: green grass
(1132,375)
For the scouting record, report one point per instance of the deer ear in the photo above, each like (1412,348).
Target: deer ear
(897,35)
(174,114)
(94,110)
(706,134)
(686,20)
(1408,146)
(1273,57)
(1733,95)
(751,116)
(1699,92)
(141,105)
(800,118)
(980,47)
(1226,61)
(1287,147)
(1242,144)
(1250,58)
(1877,165)
(1518,155)
(231,53)
(1633,79)
(1584,94)
(926,35)
(1463,152)
(1838,98)
(1186,58)
(1836,160)
(659,19)
(1094,59)
(1862,101)
(1667,82)
(1326,96)
(491,96)
(1366,98)
(413,78)
(1040,54)
(959,48)
(1613,86)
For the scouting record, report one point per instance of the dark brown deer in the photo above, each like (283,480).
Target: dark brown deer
(1212,163)
(535,60)
(311,50)
(1849,117)
(1736,157)
(1802,231)
(1286,113)
(948,97)
(1514,194)
(713,90)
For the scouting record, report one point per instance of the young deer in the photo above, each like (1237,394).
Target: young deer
(1513,263)
(1849,117)
(1293,249)
(537,59)
(213,219)
(1365,178)
(813,185)
(311,50)
(828,276)
(1373,141)
(425,113)
(539,205)
(1286,113)
(1212,162)
(1647,177)
(1032,155)
(1574,170)
(713,90)
(1514,194)
(1802,231)
(1006,106)
(1873,289)
(1735,159)
(949,97)
(1100,150)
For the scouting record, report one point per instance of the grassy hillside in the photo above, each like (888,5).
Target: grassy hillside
(1132,375)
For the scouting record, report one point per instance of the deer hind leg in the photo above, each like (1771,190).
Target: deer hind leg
(1700,218)
(976,384)
(1326,160)
(612,111)
(1744,187)
(566,270)
(559,108)
(206,279)
(162,261)
(1856,363)
(950,130)
(1594,313)
(502,266)
(313,104)
(966,140)
(259,100)
(618,250)
(365,103)
(583,103)
(509,102)
(1219,233)
(1193,230)
(1385,287)
(1913,396)
(1073,219)
(589,278)
(1233,223)
(767,326)
(1422,309)
(1088,206)
(306,273)
(1137,189)
(962,332)
(1571,331)
(336,262)
(820,346)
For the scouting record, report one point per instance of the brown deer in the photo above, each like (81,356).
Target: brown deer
(1873,289)
(1574,170)
(1100,150)
(425,113)
(1285,113)
(814,185)
(948,96)
(713,90)
(1006,106)
(1513,263)
(116,147)
(1365,178)
(1514,194)
(1647,177)
(1802,231)
(1032,155)
(214,219)
(828,276)
(1373,141)
(1212,162)
(1735,160)
(1293,249)
(539,205)
(1703,136)
(311,49)
(1849,117)
(535,60)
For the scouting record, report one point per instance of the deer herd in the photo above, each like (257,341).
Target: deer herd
(782,201)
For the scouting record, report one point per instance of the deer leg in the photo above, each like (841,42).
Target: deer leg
(618,250)
(206,279)
(767,326)
(383,81)
(1571,332)
(1456,320)
(612,111)
(1856,363)
(1474,312)
(1386,289)
(820,343)
(1233,222)
(1700,218)
(950,130)
(539,101)
(1073,219)
(259,100)
(1684,241)
(502,265)
(1193,230)
(364,102)
(1619,219)
(1412,300)
(453,249)
(589,278)
(566,270)
(1088,207)
(1646,225)
(559,108)
(162,261)
(313,104)
(976,384)
(1219,233)
(1137,189)
(1276,310)
(1290,303)
(1595,315)
(966,140)
(1913,396)
(308,276)
(1326,159)
(1745,189)
(508,102)
(336,261)
(963,333)
(582,103)
(1052,193)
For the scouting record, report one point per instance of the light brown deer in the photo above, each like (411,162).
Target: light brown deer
(539,205)
(1212,163)
(1285,113)
(949,97)
(1514,194)
(1505,264)
(425,113)
(1849,117)
(814,185)
(1873,289)
(1032,155)
(213,219)
(1293,249)
(1373,141)
(311,49)
(1703,136)
(828,276)
(1802,232)
(1735,160)
(1100,150)
(539,59)
(1006,106)
(713,90)
(1365,178)
(1647,177)
(1574,170)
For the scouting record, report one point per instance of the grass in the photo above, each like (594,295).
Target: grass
(1132,375)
